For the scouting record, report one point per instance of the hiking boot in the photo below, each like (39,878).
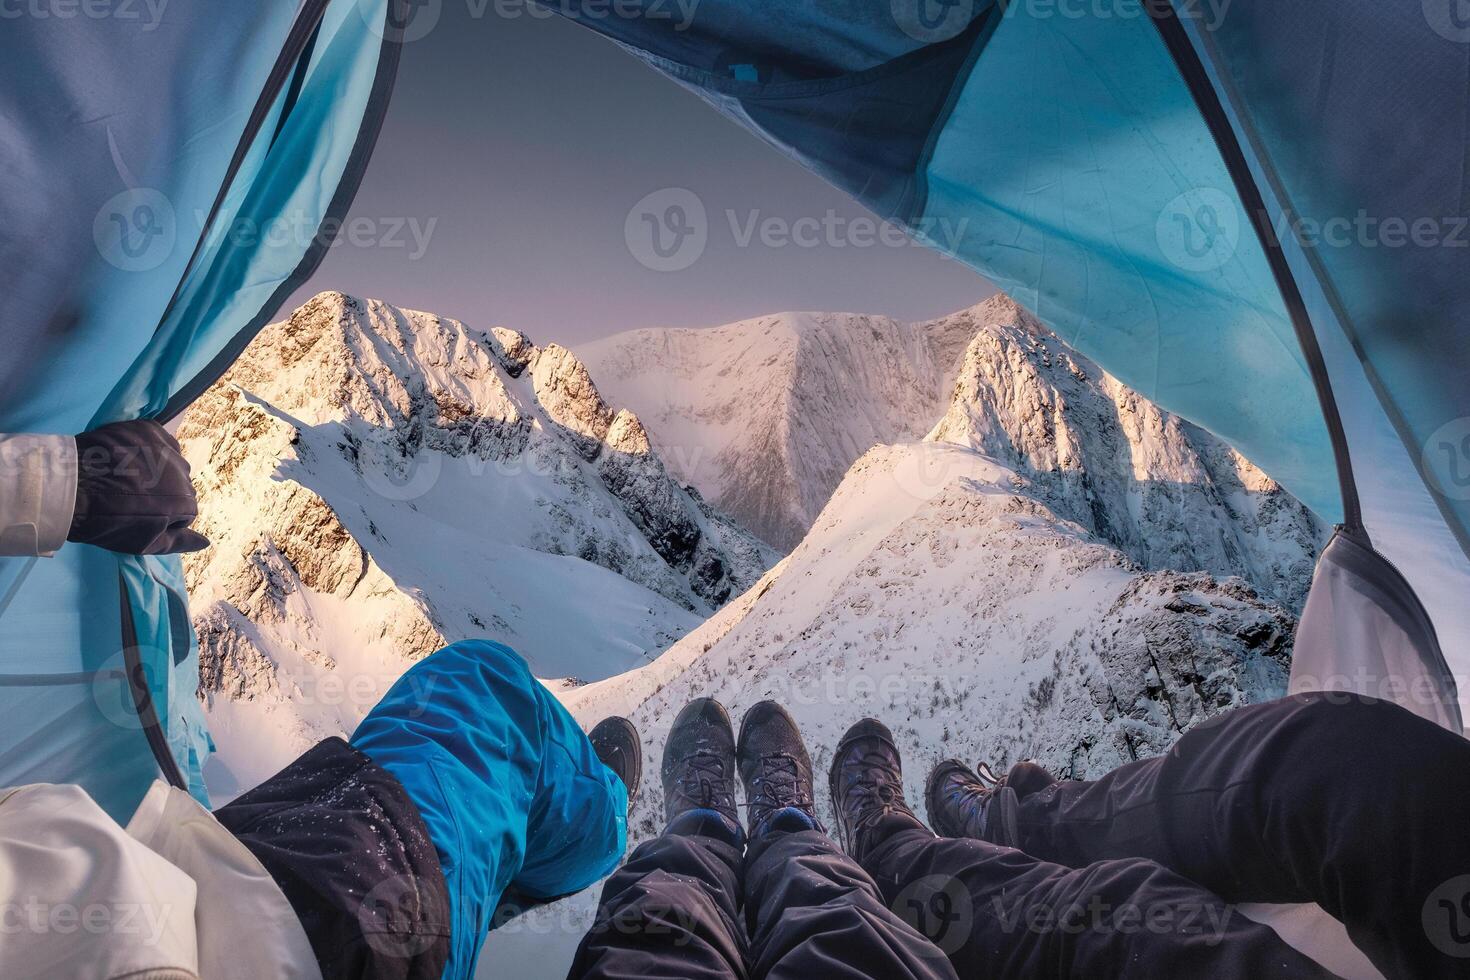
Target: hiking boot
(867,786)
(776,771)
(699,762)
(957,799)
(978,804)
(615,741)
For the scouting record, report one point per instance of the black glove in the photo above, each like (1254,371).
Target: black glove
(133,491)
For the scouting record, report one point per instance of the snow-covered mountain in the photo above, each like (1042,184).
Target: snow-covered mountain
(1059,570)
(377,482)
(765,416)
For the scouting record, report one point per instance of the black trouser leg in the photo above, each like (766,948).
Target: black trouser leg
(1353,803)
(814,914)
(1000,913)
(672,911)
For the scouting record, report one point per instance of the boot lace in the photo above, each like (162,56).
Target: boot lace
(876,789)
(704,784)
(778,786)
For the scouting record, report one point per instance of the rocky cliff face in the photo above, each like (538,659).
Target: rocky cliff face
(1166,493)
(377,482)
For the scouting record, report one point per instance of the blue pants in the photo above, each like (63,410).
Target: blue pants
(504,779)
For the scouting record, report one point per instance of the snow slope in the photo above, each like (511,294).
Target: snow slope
(377,482)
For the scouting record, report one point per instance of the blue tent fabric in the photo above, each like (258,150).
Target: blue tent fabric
(1365,195)
(115,298)
(1095,196)
(1360,109)
(506,782)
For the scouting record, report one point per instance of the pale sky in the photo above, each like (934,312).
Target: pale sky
(515,149)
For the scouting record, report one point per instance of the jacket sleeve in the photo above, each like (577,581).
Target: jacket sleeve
(38,492)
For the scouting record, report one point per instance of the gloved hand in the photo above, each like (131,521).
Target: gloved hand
(133,491)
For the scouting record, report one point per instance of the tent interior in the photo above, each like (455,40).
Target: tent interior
(1142,175)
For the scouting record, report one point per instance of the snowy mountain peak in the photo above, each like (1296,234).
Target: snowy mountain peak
(765,415)
(379,481)
(567,394)
(1165,492)
(832,386)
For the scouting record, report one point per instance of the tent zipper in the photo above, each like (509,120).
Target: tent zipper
(1232,154)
